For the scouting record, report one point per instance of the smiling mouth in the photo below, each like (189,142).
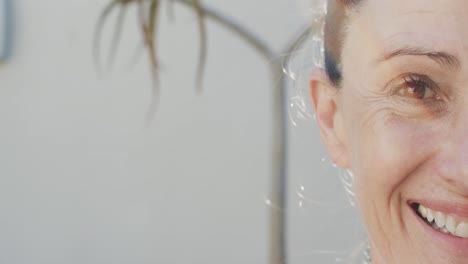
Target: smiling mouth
(442,222)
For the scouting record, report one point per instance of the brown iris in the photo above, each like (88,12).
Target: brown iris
(416,87)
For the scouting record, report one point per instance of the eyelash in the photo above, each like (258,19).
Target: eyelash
(409,87)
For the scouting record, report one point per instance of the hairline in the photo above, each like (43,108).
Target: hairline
(338,32)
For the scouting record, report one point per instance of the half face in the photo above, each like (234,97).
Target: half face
(400,124)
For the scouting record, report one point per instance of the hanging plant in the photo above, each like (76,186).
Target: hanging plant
(149,12)
(148,17)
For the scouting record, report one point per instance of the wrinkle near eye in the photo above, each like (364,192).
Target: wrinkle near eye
(373,111)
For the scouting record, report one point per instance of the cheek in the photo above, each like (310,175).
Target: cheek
(387,151)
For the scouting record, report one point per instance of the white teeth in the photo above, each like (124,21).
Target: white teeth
(423,211)
(444,230)
(440,219)
(450,224)
(430,216)
(462,230)
(444,223)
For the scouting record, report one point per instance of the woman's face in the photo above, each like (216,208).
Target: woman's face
(400,124)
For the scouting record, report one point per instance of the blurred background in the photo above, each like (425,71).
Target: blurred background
(84,178)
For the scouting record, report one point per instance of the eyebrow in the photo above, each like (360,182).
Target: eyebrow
(442,58)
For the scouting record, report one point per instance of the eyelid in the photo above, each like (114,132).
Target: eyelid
(397,83)
(438,106)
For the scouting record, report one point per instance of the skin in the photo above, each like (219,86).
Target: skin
(400,144)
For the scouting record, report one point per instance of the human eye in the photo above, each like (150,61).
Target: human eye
(419,91)
(417,87)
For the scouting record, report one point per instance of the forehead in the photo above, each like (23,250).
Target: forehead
(448,10)
(430,24)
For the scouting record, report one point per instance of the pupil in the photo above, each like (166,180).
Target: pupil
(417,92)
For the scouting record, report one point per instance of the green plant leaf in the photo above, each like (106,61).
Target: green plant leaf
(148,28)
(116,36)
(98,32)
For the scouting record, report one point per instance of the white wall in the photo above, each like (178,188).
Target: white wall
(82,179)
